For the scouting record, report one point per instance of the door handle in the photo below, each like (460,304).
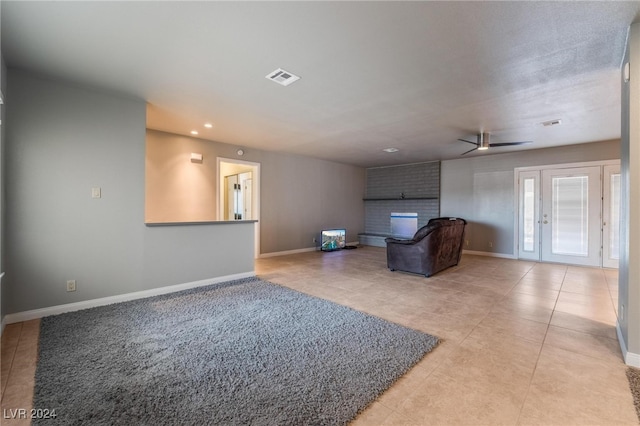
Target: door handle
(545,222)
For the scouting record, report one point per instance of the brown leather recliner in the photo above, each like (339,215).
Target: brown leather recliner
(434,247)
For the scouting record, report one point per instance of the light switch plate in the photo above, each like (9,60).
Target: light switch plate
(96,192)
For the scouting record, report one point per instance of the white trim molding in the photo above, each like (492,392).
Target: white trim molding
(284,253)
(489,254)
(303,250)
(630,358)
(93,303)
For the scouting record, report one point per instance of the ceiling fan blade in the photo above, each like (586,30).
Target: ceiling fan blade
(469,150)
(510,143)
(464,140)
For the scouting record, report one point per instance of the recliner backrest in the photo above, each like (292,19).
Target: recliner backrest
(425,230)
(435,223)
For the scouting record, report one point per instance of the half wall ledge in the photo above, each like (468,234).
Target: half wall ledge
(213,222)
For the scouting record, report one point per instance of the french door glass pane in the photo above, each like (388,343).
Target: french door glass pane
(570,218)
(614,228)
(528,214)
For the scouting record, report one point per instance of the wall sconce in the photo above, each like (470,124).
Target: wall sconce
(196,158)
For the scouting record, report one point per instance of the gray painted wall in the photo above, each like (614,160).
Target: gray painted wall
(3,86)
(62,140)
(301,196)
(480,189)
(629,271)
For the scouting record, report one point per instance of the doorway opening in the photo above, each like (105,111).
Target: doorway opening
(238,193)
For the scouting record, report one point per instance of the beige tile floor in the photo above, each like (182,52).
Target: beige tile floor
(523,343)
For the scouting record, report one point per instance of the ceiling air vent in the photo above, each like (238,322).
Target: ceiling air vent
(282,77)
(551,122)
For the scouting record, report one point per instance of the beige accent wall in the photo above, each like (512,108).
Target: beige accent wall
(299,196)
(176,189)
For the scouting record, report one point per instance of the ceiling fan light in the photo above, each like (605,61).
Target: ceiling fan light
(483,141)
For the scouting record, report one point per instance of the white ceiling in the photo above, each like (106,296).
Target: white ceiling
(411,75)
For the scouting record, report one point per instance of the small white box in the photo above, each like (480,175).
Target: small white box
(404,224)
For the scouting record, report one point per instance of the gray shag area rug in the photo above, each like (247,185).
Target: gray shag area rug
(241,352)
(633,374)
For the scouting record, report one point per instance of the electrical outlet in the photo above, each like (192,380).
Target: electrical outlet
(314,240)
(71,285)
(490,244)
(466,243)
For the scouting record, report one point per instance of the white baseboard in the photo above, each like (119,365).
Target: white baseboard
(77,306)
(296,251)
(284,253)
(489,254)
(630,358)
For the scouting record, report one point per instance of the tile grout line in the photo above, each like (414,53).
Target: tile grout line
(535,368)
(11,362)
(396,411)
(492,306)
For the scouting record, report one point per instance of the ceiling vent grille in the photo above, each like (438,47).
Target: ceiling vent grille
(551,122)
(282,77)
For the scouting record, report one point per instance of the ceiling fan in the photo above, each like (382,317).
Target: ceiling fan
(483,142)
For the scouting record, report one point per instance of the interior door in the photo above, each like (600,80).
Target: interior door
(611,217)
(231,199)
(571,216)
(248,196)
(529,215)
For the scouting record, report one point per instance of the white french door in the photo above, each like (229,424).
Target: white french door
(571,216)
(529,210)
(611,216)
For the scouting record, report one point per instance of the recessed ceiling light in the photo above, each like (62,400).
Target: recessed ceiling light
(391,150)
(194,132)
(208,125)
(551,122)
